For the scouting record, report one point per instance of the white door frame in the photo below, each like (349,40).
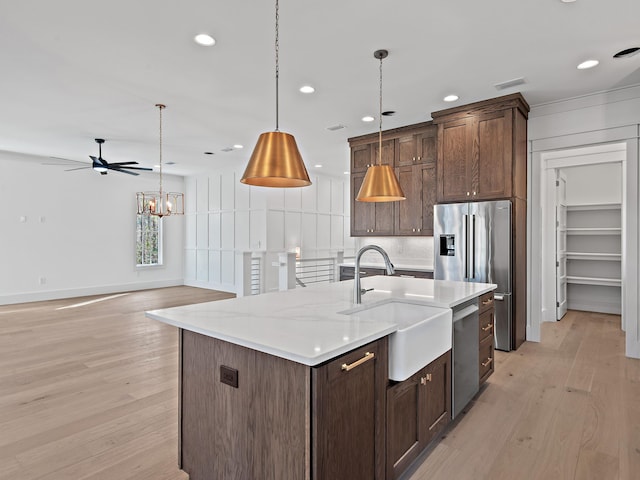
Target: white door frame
(540,259)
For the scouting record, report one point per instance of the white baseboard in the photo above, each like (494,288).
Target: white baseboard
(85,291)
(599,307)
(223,287)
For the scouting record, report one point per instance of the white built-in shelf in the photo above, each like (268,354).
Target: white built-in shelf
(606,282)
(594,231)
(594,206)
(611,257)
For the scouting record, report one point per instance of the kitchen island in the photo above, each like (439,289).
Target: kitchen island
(285,386)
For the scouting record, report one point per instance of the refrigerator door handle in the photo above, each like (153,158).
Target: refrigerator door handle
(472,244)
(466,245)
(498,298)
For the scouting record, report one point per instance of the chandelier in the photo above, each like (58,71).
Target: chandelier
(160,203)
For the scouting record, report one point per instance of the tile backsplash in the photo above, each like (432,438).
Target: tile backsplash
(405,251)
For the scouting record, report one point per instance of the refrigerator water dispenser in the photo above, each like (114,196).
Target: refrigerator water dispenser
(448,245)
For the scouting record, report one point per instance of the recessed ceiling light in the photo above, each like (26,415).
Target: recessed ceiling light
(238,146)
(567,1)
(588,64)
(318,165)
(307,89)
(204,40)
(451,98)
(346,173)
(368,118)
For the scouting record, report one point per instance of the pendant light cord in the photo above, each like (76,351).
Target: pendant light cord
(160,107)
(380,135)
(277,46)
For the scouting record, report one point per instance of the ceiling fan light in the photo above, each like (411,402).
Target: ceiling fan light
(100,169)
(276,162)
(380,185)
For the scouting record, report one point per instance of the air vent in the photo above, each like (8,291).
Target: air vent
(627,52)
(509,83)
(339,126)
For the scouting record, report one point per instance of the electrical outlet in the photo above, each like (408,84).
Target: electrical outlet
(229,376)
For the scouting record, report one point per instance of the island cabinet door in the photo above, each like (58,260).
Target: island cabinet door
(348,415)
(418,409)
(403,424)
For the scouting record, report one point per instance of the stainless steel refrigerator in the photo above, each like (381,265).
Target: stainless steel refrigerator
(472,243)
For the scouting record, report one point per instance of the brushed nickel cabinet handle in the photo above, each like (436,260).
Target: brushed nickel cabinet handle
(489,360)
(488,327)
(487,302)
(367,356)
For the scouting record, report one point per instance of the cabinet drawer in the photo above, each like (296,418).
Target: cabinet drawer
(413,274)
(486,324)
(486,301)
(486,359)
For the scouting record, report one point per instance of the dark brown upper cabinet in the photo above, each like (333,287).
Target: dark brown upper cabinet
(481,153)
(413,151)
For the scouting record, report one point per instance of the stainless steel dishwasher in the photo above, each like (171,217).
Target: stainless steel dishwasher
(465,351)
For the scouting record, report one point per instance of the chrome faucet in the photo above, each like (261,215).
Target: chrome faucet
(357,291)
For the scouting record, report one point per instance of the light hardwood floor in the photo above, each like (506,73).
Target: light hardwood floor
(91,393)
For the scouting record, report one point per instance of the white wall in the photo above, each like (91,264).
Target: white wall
(600,183)
(225,217)
(603,118)
(78,233)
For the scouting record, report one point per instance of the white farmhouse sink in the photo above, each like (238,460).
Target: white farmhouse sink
(424,333)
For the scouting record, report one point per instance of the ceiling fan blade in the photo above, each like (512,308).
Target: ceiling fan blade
(139,168)
(124,163)
(118,169)
(79,168)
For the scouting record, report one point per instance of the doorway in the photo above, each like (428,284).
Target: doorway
(589,235)
(543,230)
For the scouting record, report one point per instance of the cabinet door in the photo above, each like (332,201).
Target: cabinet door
(409,212)
(492,150)
(429,186)
(361,157)
(348,415)
(388,152)
(437,403)
(407,151)
(363,220)
(384,218)
(453,165)
(426,146)
(403,420)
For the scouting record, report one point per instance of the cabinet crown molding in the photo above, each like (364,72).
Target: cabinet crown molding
(514,100)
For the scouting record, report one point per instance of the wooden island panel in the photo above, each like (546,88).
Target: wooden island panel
(260,430)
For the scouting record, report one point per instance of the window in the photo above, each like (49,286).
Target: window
(148,240)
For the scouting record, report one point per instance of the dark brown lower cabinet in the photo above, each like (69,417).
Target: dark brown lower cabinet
(348,415)
(418,409)
(262,417)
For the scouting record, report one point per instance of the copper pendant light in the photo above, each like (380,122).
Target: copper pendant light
(380,183)
(276,161)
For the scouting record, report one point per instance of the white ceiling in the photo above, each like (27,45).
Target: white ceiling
(74,70)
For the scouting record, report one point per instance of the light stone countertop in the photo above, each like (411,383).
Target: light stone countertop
(304,325)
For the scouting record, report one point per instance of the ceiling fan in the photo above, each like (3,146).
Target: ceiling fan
(100,165)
